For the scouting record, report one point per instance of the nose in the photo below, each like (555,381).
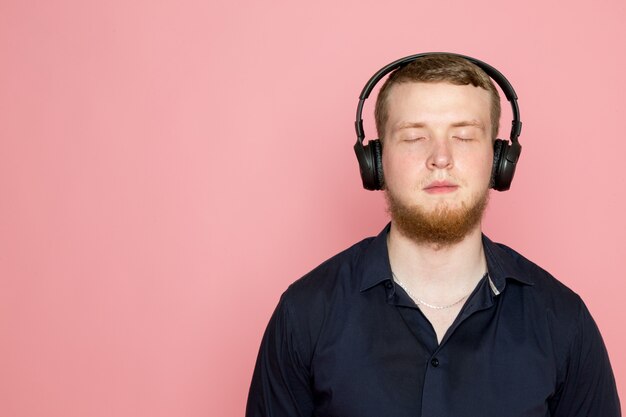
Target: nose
(440,156)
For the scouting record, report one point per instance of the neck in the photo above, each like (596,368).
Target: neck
(434,271)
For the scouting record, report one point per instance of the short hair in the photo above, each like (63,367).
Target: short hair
(438,68)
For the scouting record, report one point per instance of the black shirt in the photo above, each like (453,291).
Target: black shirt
(346,341)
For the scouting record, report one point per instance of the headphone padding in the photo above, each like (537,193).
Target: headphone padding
(495,168)
(377,148)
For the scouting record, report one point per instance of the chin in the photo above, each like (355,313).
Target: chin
(444,223)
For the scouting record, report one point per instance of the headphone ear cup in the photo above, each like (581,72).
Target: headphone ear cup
(505,157)
(370,163)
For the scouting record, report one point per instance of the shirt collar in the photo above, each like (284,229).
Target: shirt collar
(502,263)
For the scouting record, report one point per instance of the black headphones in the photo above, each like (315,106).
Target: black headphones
(505,155)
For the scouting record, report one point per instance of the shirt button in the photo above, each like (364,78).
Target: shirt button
(389,285)
(434,362)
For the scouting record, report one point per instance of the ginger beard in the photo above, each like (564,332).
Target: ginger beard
(442,226)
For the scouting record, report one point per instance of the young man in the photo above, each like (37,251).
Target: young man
(431,318)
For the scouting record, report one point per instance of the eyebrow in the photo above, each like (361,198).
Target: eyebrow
(474,123)
(409,125)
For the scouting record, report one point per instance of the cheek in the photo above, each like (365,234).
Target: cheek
(476,165)
(398,167)
(485,165)
(489,159)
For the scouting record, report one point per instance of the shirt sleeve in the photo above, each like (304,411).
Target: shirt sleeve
(589,386)
(280,384)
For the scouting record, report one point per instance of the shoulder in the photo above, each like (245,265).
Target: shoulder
(544,287)
(550,300)
(554,314)
(333,275)
(322,295)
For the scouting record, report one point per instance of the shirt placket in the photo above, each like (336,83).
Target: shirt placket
(435,394)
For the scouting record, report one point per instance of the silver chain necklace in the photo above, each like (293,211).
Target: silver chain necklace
(424,303)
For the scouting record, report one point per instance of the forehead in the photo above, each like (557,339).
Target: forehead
(437,103)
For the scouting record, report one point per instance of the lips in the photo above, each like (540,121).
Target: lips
(436,184)
(437,187)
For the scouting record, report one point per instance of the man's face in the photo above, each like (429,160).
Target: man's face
(437,159)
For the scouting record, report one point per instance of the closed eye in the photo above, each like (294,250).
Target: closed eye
(413,139)
(463,139)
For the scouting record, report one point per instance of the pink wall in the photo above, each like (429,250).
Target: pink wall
(168,168)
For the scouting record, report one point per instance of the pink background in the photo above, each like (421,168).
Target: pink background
(168,167)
